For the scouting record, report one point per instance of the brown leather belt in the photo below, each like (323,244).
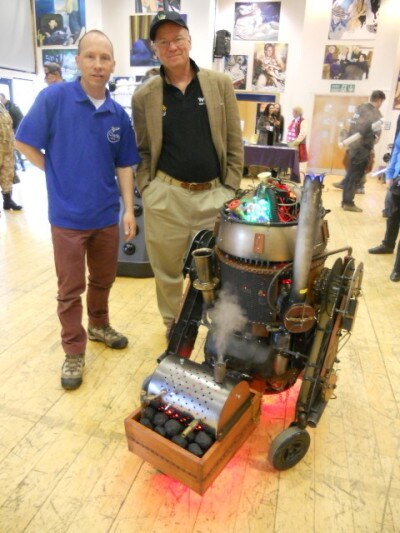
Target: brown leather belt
(194,187)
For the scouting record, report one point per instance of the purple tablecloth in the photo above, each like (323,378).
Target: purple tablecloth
(273,156)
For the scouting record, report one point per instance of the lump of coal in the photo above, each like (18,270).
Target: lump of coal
(173,427)
(159,419)
(191,436)
(204,440)
(146,422)
(195,449)
(180,441)
(148,412)
(160,430)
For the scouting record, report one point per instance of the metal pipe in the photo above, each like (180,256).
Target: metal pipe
(206,281)
(308,225)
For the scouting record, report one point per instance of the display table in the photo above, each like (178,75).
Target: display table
(273,156)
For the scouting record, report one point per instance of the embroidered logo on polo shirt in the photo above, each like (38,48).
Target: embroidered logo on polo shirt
(113,134)
(201,100)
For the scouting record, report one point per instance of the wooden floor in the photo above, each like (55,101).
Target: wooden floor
(64,462)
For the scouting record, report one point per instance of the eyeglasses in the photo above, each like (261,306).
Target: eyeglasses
(179,42)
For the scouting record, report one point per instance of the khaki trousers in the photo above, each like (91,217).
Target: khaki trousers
(172,217)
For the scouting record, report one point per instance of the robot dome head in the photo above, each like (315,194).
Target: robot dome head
(273,201)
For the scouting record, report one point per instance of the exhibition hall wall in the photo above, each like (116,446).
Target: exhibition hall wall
(302,35)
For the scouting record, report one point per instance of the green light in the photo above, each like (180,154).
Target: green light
(257,210)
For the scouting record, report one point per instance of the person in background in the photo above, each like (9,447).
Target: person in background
(297,135)
(16,116)
(266,126)
(365,122)
(7,162)
(189,137)
(386,209)
(52,73)
(153,71)
(279,123)
(393,220)
(87,139)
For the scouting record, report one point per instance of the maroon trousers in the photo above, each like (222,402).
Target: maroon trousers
(72,249)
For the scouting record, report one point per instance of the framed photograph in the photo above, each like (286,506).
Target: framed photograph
(269,69)
(396,101)
(141,52)
(347,62)
(236,68)
(65,57)
(353,19)
(59,22)
(256,21)
(152,6)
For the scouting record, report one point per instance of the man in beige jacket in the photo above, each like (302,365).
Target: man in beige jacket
(189,137)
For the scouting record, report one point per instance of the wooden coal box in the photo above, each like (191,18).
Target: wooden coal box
(195,472)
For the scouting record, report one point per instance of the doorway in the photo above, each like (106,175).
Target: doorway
(331,118)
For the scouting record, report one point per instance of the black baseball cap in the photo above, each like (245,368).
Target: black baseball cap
(165,16)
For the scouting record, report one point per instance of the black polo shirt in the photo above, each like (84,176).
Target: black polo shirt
(188,153)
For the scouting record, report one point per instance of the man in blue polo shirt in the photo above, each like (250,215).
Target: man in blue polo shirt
(88,139)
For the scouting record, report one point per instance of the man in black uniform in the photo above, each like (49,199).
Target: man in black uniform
(365,122)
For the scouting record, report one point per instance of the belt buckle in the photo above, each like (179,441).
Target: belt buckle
(192,186)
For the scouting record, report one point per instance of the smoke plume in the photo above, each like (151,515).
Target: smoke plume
(227,317)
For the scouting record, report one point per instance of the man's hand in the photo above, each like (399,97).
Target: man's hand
(129,226)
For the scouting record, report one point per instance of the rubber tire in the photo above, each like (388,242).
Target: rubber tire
(289,448)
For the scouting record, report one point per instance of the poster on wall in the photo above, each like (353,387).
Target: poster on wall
(354,19)
(59,22)
(141,52)
(236,68)
(256,21)
(65,57)
(396,101)
(269,70)
(347,62)
(152,6)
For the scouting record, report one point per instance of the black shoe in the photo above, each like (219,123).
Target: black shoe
(381,249)
(338,185)
(8,203)
(395,276)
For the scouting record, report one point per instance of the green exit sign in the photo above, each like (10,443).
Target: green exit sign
(342,88)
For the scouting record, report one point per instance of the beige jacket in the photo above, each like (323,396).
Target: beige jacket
(224,120)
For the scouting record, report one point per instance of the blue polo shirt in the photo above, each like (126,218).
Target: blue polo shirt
(82,148)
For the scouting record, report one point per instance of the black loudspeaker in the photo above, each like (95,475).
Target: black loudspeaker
(132,255)
(222,43)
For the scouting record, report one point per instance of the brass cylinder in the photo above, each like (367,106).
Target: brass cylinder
(205,282)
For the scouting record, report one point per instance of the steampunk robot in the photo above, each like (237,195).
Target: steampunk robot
(273,310)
